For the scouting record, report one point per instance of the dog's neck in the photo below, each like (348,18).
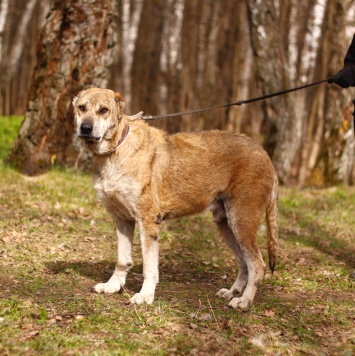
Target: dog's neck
(122,139)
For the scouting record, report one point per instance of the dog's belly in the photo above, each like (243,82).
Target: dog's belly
(177,203)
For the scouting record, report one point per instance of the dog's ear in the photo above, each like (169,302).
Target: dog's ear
(120,101)
(136,116)
(77,97)
(75,100)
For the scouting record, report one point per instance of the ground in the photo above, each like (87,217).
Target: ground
(57,242)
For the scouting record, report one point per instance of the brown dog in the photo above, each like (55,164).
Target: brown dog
(144,176)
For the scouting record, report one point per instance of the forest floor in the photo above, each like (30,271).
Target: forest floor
(57,242)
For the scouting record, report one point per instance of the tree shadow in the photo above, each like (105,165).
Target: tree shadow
(317,237)
(92,270)
(185,271)
(96,272)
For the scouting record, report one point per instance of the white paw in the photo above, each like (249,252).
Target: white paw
(242,303)
(225,293)
(141,298)
(108,287)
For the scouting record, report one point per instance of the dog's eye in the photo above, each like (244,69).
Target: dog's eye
(81,107)
(103,111)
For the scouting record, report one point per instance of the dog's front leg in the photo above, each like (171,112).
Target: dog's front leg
(150,253)
(125,232)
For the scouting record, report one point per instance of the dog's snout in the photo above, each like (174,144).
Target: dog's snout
(86,128)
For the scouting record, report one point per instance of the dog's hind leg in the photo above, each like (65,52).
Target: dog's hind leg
(150,253)
(220,218)
(242,277)
(125,232)
(238,222)
(243,220)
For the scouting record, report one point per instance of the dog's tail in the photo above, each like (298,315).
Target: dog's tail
(272,226)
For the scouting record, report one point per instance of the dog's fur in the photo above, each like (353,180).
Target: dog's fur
(152,176)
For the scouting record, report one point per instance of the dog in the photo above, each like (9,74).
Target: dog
(144,176)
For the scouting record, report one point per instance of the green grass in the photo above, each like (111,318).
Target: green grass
(56,242)
(9,127)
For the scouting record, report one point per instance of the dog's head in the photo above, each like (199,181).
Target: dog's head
(98,113)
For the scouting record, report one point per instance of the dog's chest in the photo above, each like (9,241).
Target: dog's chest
(118,193)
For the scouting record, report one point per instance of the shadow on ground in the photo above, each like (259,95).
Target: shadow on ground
(313,235)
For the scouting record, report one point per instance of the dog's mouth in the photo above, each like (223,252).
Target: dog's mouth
(90,138)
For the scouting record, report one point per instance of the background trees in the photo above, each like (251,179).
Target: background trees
(178,54)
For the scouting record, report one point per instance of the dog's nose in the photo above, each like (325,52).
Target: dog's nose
(86,128)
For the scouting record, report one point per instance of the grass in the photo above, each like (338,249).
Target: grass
(9,127)
(56,242)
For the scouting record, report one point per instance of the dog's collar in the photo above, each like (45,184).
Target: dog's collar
(124,135)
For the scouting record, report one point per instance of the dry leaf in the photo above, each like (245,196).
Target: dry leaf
(32,334)
(269,313)
(193,326)
(204,317)
(27,326)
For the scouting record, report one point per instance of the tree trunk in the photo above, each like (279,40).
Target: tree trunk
(171,65)
(127,28)
(228,45)
(243,66)
(196,55)
(18,41)
(190,36)
(17,47)
(146,60)
(74,52)
(282,122)
(302,30)
(336,149)
(4,8)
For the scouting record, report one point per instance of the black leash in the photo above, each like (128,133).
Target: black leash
(239,103)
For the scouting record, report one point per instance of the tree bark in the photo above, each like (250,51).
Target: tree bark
(302,19)
(75,49)
(4,8)
(190,37)
(283,124)
(243,66)
(336,149)
(227,56)
(146,60)
(170,71)
(17,47)
(129,14)
(18,51)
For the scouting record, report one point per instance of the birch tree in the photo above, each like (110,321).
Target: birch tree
(147,54)
(17,46)
(332,155)
(283,136)
(19,42)
(4,8)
